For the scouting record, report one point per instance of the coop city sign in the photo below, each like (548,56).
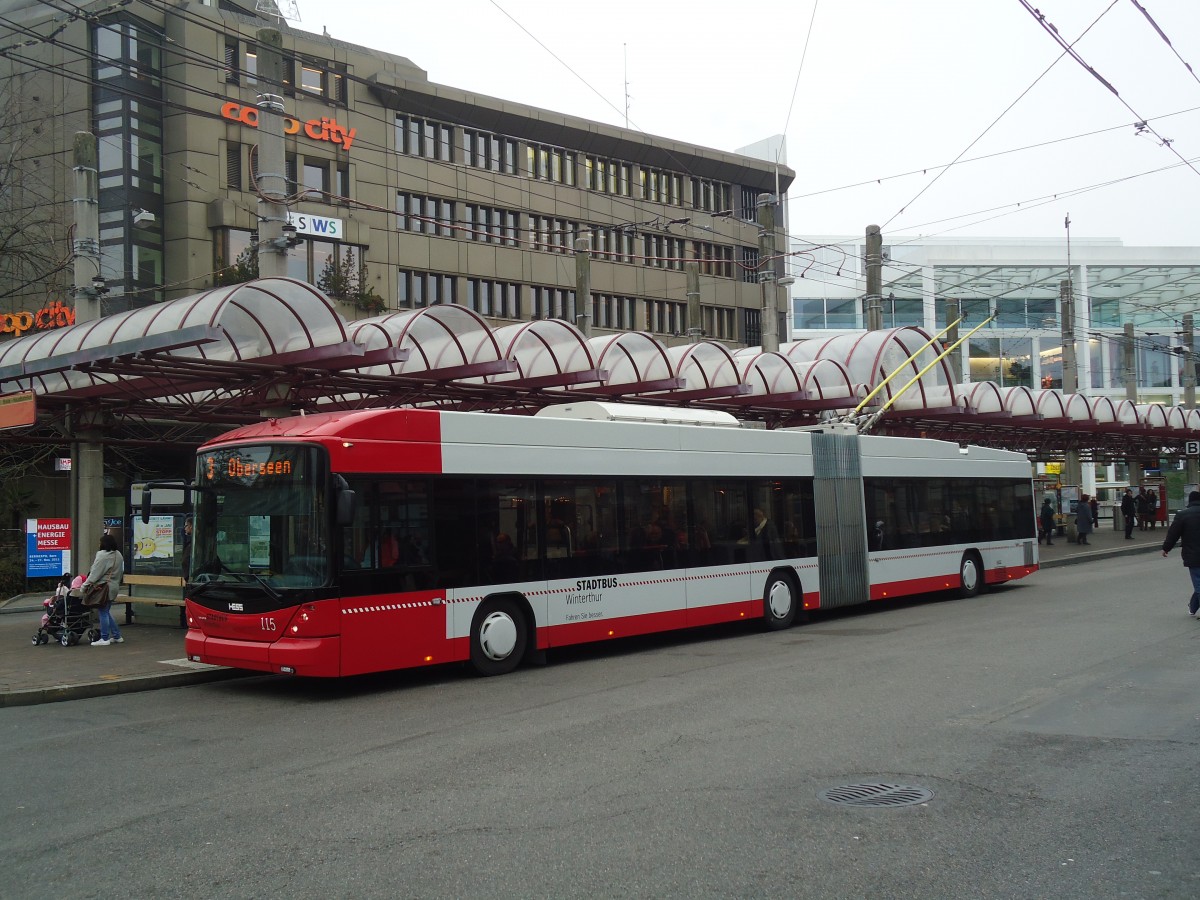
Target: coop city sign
(322,129)
(56,315)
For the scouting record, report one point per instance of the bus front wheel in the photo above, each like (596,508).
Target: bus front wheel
(780,601)
(970,575)
(498,637)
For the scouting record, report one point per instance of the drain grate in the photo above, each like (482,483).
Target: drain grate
(878,794)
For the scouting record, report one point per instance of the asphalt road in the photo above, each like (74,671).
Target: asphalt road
(1056,723)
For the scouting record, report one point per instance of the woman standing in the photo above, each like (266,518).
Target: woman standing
(1083,519)
(108,566)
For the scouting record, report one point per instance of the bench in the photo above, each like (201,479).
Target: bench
(147,595)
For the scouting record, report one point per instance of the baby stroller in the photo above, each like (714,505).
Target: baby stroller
(66,619)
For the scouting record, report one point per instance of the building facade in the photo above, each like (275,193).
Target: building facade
(403,193)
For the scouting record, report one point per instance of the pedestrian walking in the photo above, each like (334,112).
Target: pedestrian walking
(1129,512)
(1083,519)
(1185,531)
(1143,509)
(1046,519)
(1094,506)
(108,566)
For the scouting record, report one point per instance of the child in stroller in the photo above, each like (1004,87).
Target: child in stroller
(66,619)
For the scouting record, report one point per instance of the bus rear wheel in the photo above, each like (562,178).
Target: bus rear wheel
(498,637)
(970,575)
(780,601)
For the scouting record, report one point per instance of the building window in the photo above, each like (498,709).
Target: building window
(498,299)
(659,186)
(416,290)
(607,176)
(711,196)
(666,317)
(663,252)
(422,137)
(749,210)
(426,215)
(749,266)
(718,322)
(552,303)
(484,150)
(551,164)
(233,167)
(232,72)
(491,225)
(613,311)
(752,327)
(714,259)
(555,235)
(315,180)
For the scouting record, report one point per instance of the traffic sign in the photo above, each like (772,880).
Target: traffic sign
(1191,448)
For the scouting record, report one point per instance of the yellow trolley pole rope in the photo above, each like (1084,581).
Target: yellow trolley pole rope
(875,416)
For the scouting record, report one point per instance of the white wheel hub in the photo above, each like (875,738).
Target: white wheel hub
(780,600)
(497,635)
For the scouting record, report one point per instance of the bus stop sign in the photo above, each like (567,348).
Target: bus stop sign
(1191,448)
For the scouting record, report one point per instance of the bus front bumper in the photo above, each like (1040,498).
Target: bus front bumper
(314,657)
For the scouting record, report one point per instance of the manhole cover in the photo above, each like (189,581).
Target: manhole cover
(876,795)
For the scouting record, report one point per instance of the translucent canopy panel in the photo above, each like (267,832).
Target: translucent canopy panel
(276,319)
(705,365)
(1077,407)
(1019,401)
(1152,415)
(1050,404)
(827,379)
(543,349)
(1127,413)
(871,357)
(1193,419)
(983,397)
(1104,411)
(817,375)
(1177,418)
(633,359)
(437,338)
(768,373)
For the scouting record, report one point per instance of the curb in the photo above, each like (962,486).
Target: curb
(129,685)
(1105,553)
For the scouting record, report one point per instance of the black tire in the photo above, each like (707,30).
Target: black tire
(781,602)
(499,637)
(970,575)
(37,639)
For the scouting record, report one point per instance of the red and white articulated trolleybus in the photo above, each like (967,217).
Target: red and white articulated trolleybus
(350,542)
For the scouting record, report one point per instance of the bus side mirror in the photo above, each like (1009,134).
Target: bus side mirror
(146,505)
(347,506)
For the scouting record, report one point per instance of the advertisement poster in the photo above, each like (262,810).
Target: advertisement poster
(47,547)
(154,546)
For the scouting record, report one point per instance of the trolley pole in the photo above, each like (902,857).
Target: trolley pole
(874,278)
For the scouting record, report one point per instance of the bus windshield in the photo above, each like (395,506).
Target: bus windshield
(261,517)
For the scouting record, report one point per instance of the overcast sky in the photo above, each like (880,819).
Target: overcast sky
(876,97)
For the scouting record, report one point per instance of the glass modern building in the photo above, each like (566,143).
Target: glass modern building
(1022,282)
